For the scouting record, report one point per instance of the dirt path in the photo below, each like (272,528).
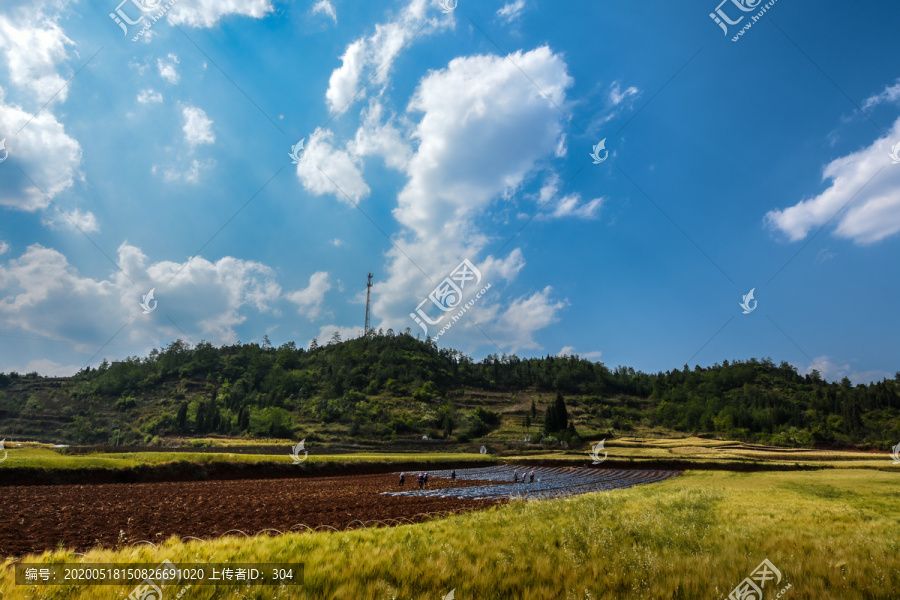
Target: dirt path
(37,518)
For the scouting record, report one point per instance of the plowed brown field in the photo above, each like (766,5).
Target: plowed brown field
(37,518)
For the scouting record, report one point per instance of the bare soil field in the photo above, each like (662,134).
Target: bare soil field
(38,518)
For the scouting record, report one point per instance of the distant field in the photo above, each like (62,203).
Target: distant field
(830,533)
(46,458)
(700,451)
(696,452)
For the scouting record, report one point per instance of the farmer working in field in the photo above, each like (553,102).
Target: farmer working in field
(402,479)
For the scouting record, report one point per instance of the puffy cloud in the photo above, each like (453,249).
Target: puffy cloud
(309,300)
(375,138)
(484,129)
(325,7)
(206,13)
(4,247)
(511,11)
(34,45)
(75,220)
(866,182)
(167,68)
(43,150)
(149,96)
(512,326)
(41,293)
(197,127)
(370,57)
(322,167)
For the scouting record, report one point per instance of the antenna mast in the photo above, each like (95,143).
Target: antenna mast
(368,301)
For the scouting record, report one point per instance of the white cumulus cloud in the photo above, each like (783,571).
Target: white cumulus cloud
(167,68)
(43,150)
(41,293)
(207,13)
(75,220)
(484,129)
(34,45)
(324,169)
(309,300)
(370,56)
(866,183)
(149,96)
(384,139)
(197,127)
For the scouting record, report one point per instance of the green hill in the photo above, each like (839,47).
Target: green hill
(394,387)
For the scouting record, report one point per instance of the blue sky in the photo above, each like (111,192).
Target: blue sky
(432,136)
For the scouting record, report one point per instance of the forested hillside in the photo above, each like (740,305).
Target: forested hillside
(386,385)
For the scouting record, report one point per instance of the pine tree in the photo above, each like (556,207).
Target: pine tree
(562,415)
(550,423)
(181,418)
